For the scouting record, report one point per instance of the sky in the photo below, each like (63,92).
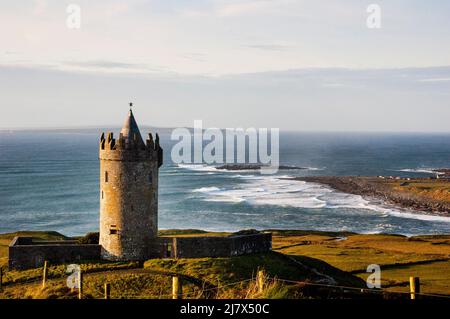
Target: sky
(290,64)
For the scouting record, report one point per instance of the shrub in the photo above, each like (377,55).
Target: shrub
(90,238)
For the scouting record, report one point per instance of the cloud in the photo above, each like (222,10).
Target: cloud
(39,7)
(104,65)
(239,36)
(193,56)
(227,8)
(307,99)
(435,80)
(242,8)
(270,47)
(117,8)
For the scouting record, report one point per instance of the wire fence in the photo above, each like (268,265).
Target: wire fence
(362,290)
(290,282)
(95,291)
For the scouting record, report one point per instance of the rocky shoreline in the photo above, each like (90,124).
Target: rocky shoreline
(243,167)
(443,172)
(420,194)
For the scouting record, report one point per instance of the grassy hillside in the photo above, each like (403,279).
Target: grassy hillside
(428,189)
(427,257)
(306,256)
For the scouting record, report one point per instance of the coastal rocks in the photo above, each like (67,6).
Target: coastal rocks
(419,194)
(443,172)
(243,167)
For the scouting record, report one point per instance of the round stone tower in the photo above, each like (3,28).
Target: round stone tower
(129,193)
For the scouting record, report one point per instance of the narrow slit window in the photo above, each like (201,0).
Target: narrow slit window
(113,230)
(106,177)
(102,195)
(150,178)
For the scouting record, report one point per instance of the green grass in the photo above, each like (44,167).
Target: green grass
(434,277)
(428,189)
(172,232)
(59,271)
(42,235)
(136,286)
(298,255)
(228,270)
(355,259)
(123,285)
(399,257)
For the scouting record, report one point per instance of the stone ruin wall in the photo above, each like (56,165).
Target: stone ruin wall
(214,246)
(25,254)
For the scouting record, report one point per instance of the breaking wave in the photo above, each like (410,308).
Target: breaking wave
(211,168)
(419,170)
(279,191)
(199,167)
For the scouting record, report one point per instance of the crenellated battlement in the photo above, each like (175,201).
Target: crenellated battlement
(129,146)
(125,149)
(111,144)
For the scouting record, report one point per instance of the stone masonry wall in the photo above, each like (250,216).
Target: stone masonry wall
(128,203)
(24,254)
(128,209)
(197,247)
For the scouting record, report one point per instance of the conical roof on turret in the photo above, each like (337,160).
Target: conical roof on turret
(130,130)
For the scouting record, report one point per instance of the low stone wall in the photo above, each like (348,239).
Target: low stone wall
(25,254)
(250,244)
(207,246)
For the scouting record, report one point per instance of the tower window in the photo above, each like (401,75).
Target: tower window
(135,177)
(102,195)
(150,178)
(106,177)
(113,230)
(132,208)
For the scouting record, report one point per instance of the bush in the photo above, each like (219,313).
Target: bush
(90,239)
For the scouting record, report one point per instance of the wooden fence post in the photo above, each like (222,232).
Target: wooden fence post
(107,291)
(260,280)
(80,285)
(177,287)
(414,286)
(44,274)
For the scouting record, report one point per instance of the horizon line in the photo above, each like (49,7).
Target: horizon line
(55,129)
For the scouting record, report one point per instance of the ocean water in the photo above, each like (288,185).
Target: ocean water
(49,181)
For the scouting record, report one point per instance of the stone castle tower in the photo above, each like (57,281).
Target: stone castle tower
(129,193)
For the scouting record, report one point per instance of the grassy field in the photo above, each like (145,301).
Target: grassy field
(427,257)
(306,256)
(425,188)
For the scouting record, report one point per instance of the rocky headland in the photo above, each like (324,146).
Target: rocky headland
(244,167)
(421,194)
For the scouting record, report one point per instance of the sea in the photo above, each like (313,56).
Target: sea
(49,180)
